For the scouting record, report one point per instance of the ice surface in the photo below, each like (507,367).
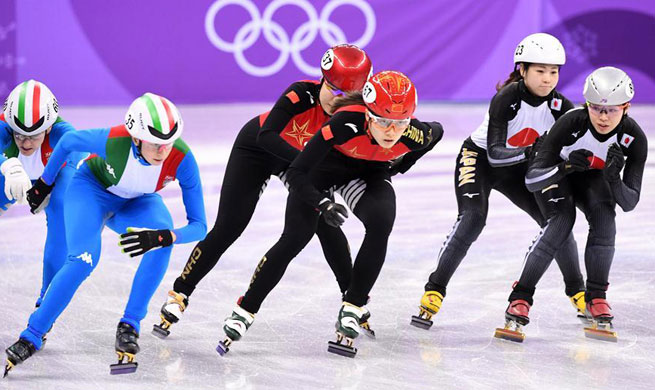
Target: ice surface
(287,345)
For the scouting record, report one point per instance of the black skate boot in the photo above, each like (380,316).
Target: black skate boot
(20,351)
(171,313)
(126,347)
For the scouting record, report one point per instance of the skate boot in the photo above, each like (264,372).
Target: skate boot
(601,321)
(516,317)
(171,313)
(430,305)
(126,347)
(364,325)
(17,353)
(347,326)
(578,302)
(235,327)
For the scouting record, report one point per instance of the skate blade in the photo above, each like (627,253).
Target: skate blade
(123,368)
(8,367)
(367,330)
(601,334)
(342,350)
(510,335)
(160,332)
(223,347)
(421,322)
(584,319)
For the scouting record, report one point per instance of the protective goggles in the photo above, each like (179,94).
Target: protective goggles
(386,122)
(609,110)
(22,138)
(334,90)
(155,147)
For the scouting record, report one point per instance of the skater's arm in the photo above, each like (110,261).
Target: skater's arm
(434,132)
(295,100)
(627,191)
(298,173)
(91,141)
(60,128)
(502,109)
(548,167)
(189,179)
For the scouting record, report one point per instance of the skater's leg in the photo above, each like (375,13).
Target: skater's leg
(337,253)
(245,178)
(546,207)
(555,233)
(87,205)
(55,251)
(377,211)
(473,181)
(299,227)
(147,211)
(598,205)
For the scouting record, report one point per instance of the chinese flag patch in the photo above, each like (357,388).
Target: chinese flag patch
(293,96)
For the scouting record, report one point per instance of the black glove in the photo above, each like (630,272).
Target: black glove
(531,151)
(578,161)
(395,165)
(39,195)
(333,213)
(614,163)
(139,241)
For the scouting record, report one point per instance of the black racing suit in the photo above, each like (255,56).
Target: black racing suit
(342,151)
(265,146)
(495,157)
(559,190)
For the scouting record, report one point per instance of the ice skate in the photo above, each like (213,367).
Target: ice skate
(126,347)
(430,305)
(235,327)
(171,312)
(17,353)
(364,325)
(601,321)
(516,317)
(579,303)
(350,316)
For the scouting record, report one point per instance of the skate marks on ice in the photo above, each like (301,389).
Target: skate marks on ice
(286,345)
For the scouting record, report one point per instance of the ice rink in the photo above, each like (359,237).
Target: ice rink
(287,345)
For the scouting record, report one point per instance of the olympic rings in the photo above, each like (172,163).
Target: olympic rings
(278,38)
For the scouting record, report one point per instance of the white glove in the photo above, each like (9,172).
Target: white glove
(16,180)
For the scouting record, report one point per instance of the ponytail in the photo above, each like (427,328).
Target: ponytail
(349,99)
(514,76)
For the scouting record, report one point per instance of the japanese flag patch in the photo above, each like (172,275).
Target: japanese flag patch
(556,104)
(626,140)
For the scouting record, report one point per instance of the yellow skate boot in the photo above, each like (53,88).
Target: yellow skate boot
(430,305)
(580,305)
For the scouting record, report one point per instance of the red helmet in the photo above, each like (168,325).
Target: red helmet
(390,94)
(346,67)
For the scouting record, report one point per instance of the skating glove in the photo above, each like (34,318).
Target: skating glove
(333,213)
(138,241)
(614,164)
(38,196)
(578,161)
(531,151)
(16,180)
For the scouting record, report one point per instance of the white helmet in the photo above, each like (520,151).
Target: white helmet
(155,119)
(608,86)
(540,48)
(31,108)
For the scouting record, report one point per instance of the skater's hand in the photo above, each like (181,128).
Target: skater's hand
(138,241)
(333,213)
(16,180)
(38,196)
(614,163)
(531,151)
(578,161)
